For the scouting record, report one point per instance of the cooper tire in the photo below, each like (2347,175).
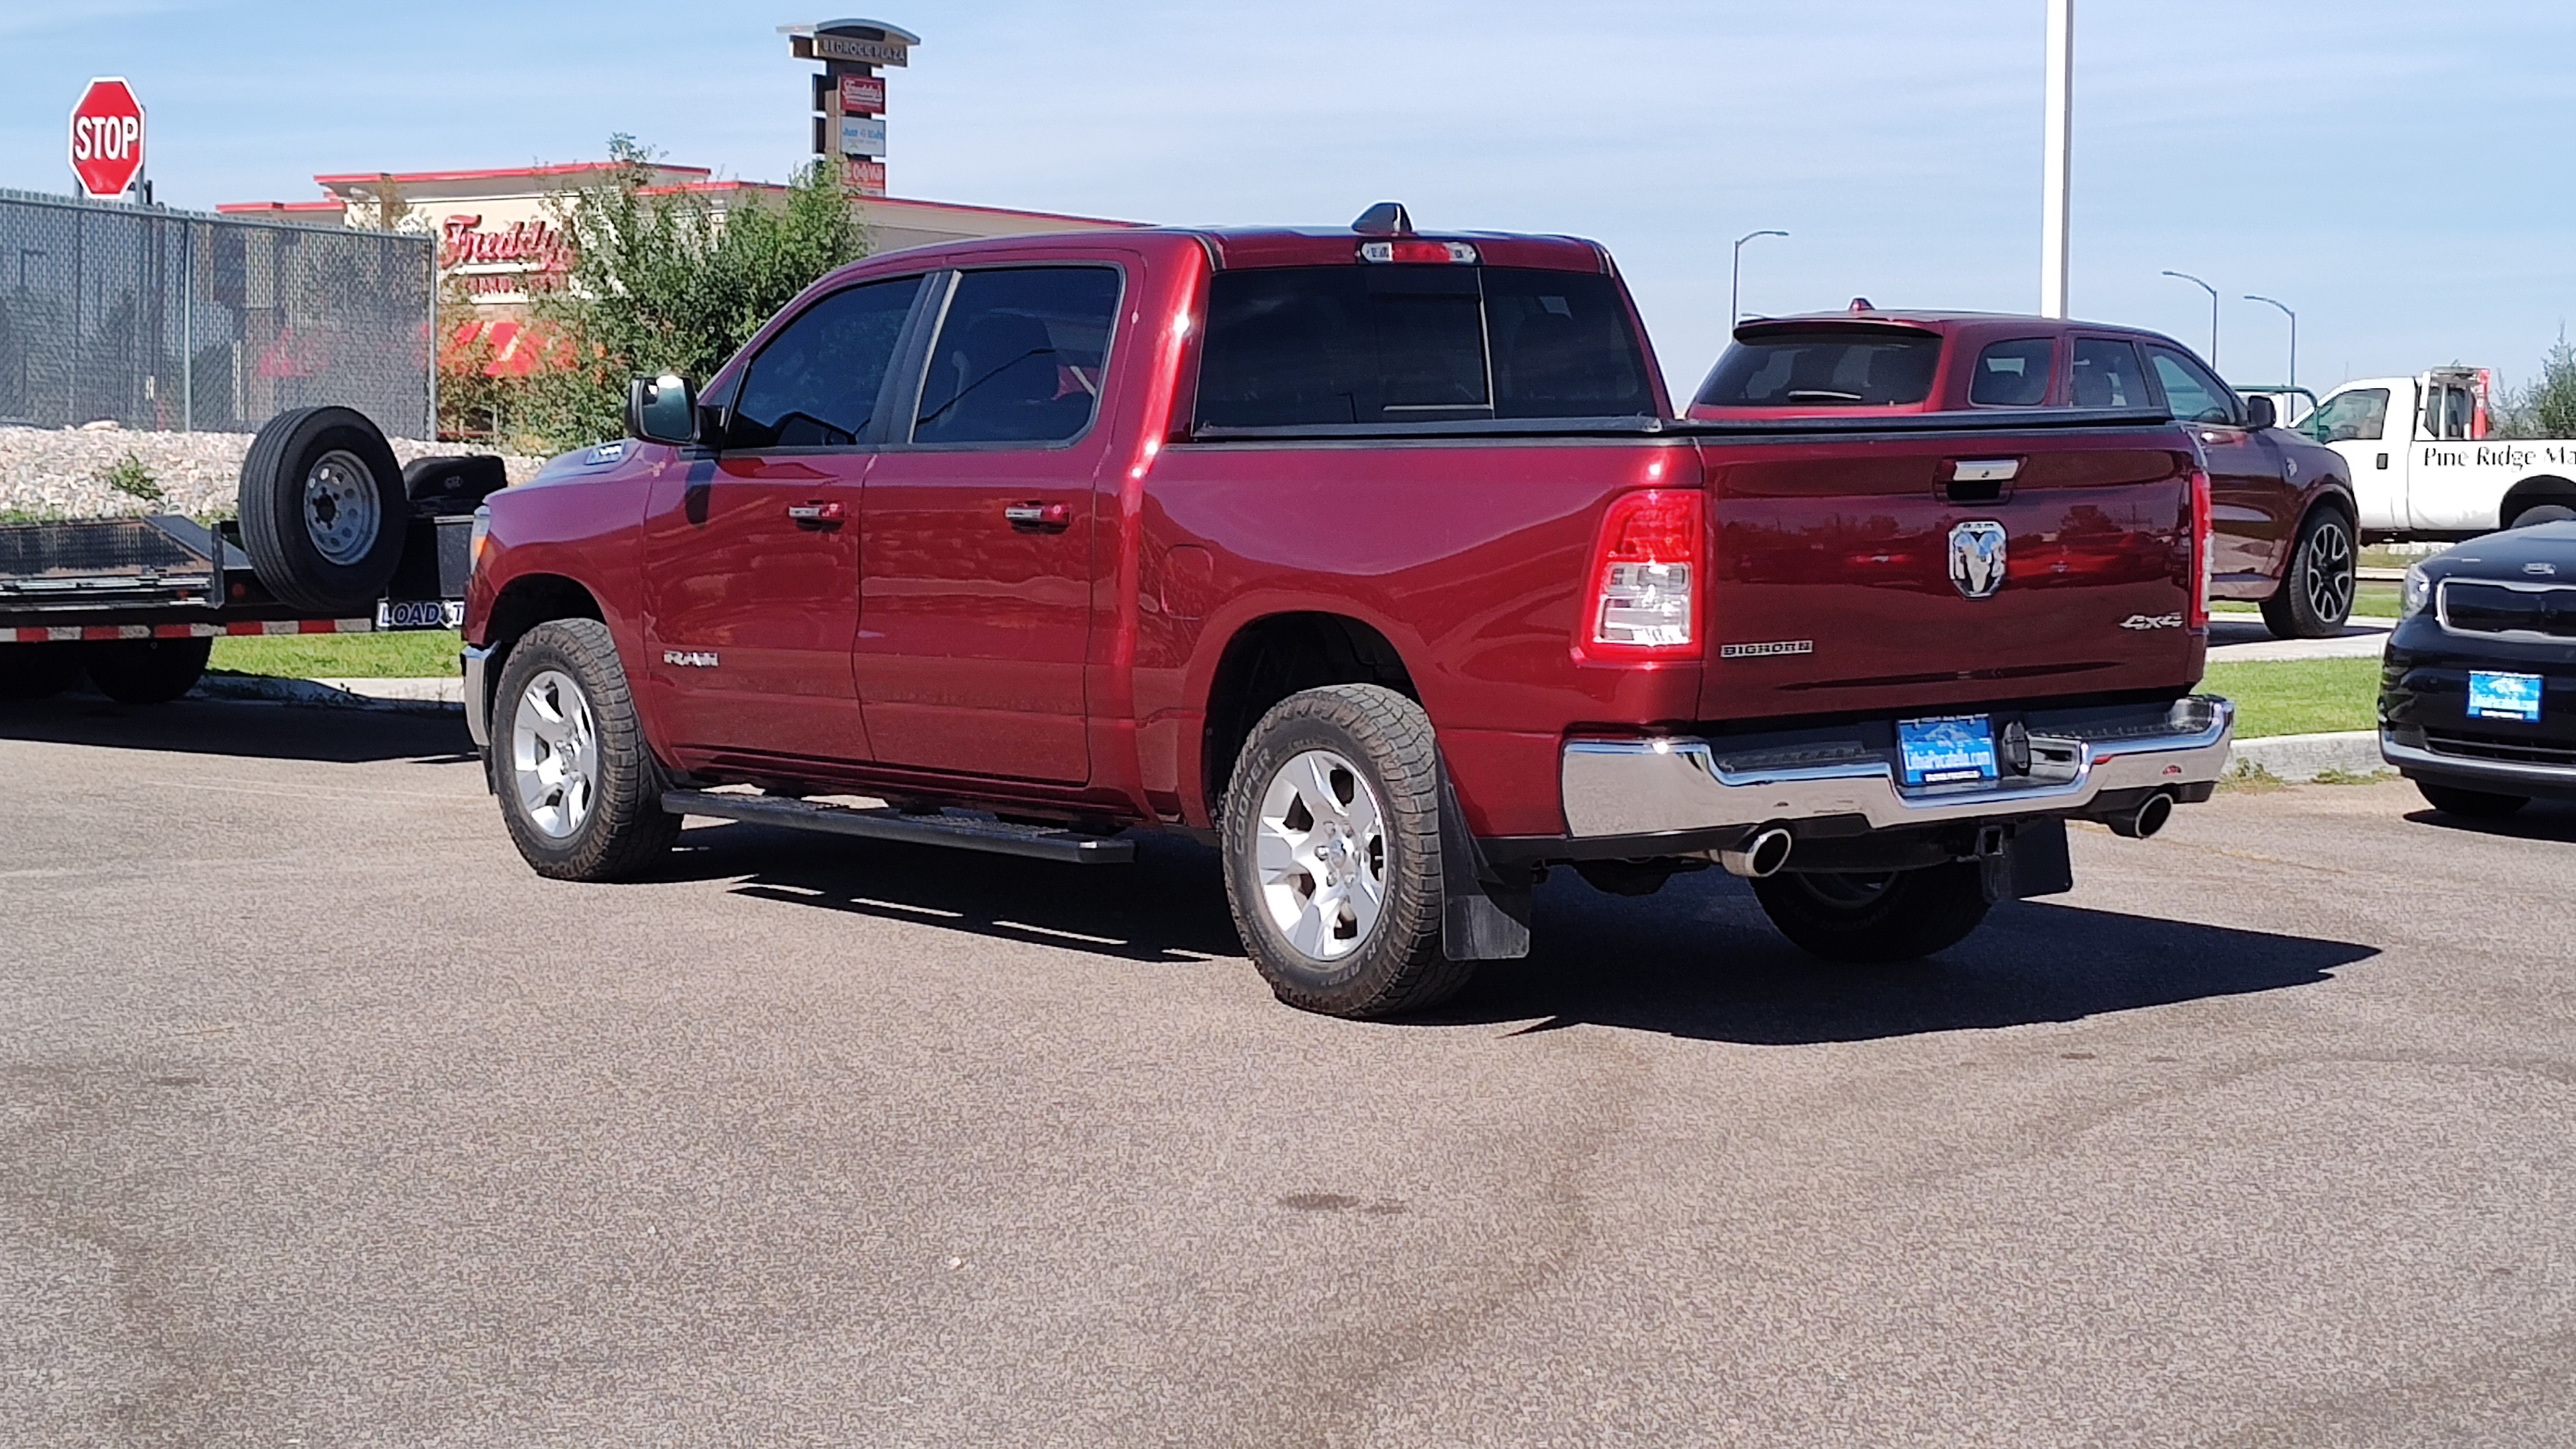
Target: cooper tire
(1871,919)
(322,509)
(580,789)
(38,671)
(1331,838)
(2316,593)
(2469,804)
(147,671)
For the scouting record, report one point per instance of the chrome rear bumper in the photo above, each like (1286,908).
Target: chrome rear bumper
(1621,787)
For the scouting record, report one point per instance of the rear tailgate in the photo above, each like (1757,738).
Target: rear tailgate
(1835,554)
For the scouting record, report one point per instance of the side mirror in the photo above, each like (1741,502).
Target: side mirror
(2259,413)
(662,410)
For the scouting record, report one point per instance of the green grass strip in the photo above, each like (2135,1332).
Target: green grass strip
(422,654)
(2298,696)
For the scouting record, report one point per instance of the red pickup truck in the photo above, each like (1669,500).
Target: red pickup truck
(1376,559)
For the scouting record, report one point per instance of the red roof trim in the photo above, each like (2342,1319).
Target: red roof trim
(573,169)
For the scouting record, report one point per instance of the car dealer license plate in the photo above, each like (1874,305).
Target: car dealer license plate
(1946,750)
(2504,696)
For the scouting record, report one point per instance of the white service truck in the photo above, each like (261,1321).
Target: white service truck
(2423,465)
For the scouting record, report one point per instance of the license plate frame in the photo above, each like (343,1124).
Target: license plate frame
(1947,749)
(2496,694)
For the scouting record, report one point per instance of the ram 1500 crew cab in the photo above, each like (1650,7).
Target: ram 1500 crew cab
(1376,559)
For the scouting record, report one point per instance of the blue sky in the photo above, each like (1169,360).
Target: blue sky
(2400,173)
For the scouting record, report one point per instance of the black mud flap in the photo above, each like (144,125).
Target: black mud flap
(1484,915)
(2038,861)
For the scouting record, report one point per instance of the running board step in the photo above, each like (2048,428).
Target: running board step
(963,832)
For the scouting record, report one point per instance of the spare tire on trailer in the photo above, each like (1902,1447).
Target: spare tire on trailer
(322,509)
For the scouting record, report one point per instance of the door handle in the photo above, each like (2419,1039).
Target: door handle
(1039,517)
(815,515)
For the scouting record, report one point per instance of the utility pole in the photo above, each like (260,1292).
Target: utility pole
(2056,163)
(2213,311)
(2294,334)
(1735,288)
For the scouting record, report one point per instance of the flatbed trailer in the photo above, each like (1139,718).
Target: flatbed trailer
(137,602)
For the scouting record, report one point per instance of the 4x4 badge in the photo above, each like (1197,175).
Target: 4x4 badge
(1977,558)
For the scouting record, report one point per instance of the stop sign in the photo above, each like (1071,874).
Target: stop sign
(107,137)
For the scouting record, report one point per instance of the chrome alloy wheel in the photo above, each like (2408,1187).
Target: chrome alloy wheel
(554,754)
(340,507)
(1321,857)
(2329,564)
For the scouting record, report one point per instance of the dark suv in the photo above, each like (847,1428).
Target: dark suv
(2282,506)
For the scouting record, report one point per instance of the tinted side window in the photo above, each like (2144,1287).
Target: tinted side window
(816,382)
(1824,369)
(1564,346)
(2013,374)
(2191,392)
(1018,358)
(1293,346)
(2357,416)
(2106,375)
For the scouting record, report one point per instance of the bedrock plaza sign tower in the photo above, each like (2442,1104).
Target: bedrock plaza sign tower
(850,95)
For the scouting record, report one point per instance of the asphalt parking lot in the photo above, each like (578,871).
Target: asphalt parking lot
(323,1121)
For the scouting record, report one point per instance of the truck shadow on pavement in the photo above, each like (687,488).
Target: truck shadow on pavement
(1698,960)
(241,728)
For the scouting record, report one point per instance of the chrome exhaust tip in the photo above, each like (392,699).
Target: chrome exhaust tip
(1760,856)
(2146,820)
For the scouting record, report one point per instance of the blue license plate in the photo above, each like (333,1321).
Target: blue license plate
(2504,696)
(1946,750)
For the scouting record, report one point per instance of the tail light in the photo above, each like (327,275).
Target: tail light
(1645,575)
(1417,251)
(2204,565)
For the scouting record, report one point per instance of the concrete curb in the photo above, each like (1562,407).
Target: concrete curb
(406,696)
(2300,758)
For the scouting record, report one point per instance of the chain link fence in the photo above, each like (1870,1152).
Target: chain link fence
(179,321)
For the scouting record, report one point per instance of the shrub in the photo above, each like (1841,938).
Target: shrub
(128,476)
(669,281)
(2546,406)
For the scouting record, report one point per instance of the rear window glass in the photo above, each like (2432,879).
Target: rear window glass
(2012,374)
(1293,346)
(1018,356)
(1823,369)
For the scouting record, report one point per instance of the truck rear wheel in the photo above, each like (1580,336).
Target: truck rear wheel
(322,509)
(2542,513)
(580,790)
(1331,834)
(37,671)
(147,671)
(1878,917)
(2315,597)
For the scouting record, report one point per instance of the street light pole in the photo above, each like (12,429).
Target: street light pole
(2294,334)
(1735,287)
(2057,164)
(2213,310)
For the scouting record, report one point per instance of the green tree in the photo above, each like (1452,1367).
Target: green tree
(672,281)
(2544,407)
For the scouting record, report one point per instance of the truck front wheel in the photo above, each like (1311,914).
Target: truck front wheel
(1877,917)
(1331,835)
(2315,597)
(580,790)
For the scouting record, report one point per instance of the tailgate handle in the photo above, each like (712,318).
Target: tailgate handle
(1980,480)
